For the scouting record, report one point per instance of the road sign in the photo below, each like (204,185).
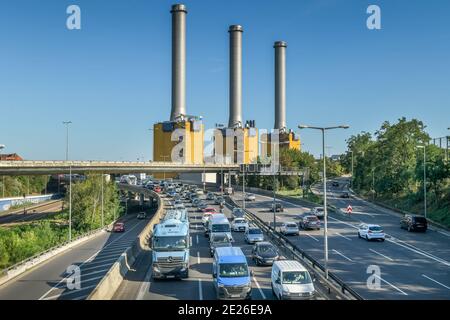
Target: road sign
(349,209)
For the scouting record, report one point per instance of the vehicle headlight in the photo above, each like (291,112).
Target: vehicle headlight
(286,293)
(221,286)
(156,267)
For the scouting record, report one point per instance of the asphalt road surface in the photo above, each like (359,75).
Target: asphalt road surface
(48,281)
(35,213)
(412,265)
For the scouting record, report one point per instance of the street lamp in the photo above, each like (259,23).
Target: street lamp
(2,146)
(325,218)
(67,123)
(152,131)
(424,178)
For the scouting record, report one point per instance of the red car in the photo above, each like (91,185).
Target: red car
(119,227)
(210,210)
(157,189)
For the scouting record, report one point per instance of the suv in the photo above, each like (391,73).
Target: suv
(288,228)
(277,207)
(318,212)
(310,222)
(414,223)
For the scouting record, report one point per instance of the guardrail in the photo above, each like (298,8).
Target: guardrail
(296,252)
(110,283)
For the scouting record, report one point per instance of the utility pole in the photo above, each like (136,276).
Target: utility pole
(424,179)
(67,123)
(103,203)
(243,186)
(2,146)
(325,209)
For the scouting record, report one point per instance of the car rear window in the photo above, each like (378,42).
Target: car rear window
(312,218)
(291,225)
(254,231)
(375,229)
(420,219)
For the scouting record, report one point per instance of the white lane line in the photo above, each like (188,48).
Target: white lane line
(196,238)
(69,292)
(259,288)
(418,251)
(436,281)
(314,238)
(96,267)
(198,257)
(337,252)
(145,284)
(399,290)
(340,235)
(190,241)
(444,233)
(200,289)
(380,254)
(88,260)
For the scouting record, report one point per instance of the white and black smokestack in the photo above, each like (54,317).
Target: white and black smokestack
(235,119)
(178,61)
(280,85)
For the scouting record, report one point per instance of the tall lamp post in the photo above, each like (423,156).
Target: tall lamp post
(424,178)
(67,123)
(152,131)
(325,218)
(2,146)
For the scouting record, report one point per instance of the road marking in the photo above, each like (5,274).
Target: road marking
(436,282)
(145,285)
(444,233)
(340,235)
(88,260)
(196,238)
(376,252)
(198,257)
(342,255)
(399,290)
(200,289)
(259,288)
(190,241)
(312,237)
(69,292)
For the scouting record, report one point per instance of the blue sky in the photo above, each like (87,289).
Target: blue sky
(112,77)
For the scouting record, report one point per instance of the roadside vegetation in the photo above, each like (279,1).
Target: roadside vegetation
(388,168)
(17,186)
(26,240)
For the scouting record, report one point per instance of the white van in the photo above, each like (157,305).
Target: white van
(219,223)
(291,281)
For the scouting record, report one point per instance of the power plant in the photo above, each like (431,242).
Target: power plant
(181,139)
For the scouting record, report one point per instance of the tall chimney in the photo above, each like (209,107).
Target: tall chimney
(280,85)
(235,119)
(178,61)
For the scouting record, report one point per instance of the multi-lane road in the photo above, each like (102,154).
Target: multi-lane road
(94,257)
(412,265)
(32,213)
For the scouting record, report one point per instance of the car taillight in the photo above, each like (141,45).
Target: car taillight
(370,231)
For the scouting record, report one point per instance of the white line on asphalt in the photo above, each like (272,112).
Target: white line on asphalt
(259,288)
(399,290)
(340,235)
(190,241)
(198,257)
(145,285)
(96,267)
(418,251)
(444,233)
(380,254)
(342,255)
(69,292)
(312,237)
(196,238)
(436,282)
(94,272)
(88,260)
(200,289)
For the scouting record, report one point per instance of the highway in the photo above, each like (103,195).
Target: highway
(48,281)
(35,213)
(139,285)
(412,265)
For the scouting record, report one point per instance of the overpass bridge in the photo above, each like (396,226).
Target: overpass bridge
(107,167)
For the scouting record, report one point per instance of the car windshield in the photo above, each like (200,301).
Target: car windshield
(319,209)
(221,227)
(291,225)
(267,250)
(254,231)
(296,277)
(312,218)
(220,238)
(375,228)
(239,221)
(169,243)
(231,270)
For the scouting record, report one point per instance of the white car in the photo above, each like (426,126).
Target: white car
(371,232)
(319,212)
(253,235)
(288,228)
(206,217)
(239,224)
(250,197)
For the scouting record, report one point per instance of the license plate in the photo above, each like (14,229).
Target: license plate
(235,295)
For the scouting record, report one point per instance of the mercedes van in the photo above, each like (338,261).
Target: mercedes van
(291,281)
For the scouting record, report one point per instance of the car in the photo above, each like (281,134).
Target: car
(291,281)
(219,240)
(239,224)
(141,215)
(210,210)
(335,184)
(119,227)
(370,232)
(210,196)
(219,201)
(157,189)
(319,212)
(196,202)
(201,205)
(264,253)
(289,228)
(199,192)
(178,205)
(277,207)
(206,217)
(310,222)
(238,212)
(414,223)
(345,195)
(253,235)
(250,197)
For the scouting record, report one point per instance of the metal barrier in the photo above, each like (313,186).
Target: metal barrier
(301,254)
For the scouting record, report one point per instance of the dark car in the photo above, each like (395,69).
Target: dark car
(414,223)
(310,222)
(277,207)
(335,184)
(264,253)
(345,195)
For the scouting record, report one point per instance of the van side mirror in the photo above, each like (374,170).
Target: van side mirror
(214,275)
(278,281)
(252,273)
